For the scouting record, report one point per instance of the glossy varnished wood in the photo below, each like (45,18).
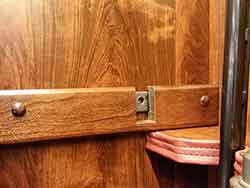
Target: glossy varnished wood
(197,33)
(111,161)
(182,105)
(83,43)
(61,43)
(79,44)
(192,42)
(202,134)
(217,22)
(60,113)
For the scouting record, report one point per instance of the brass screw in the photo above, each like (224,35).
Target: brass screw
(204,101)
(18,109)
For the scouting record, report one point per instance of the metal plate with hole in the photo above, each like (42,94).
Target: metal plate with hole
(142,101)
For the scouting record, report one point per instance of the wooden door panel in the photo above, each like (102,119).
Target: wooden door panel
(98,43)
(84,43)
(103,161)
(192,42)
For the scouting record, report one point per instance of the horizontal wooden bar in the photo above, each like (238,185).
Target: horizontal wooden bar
(180,106)
(62,113)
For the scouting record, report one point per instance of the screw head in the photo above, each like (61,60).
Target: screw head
(204,101)
(18,109)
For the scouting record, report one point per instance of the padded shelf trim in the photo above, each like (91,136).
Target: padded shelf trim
(192,146)
(187,145)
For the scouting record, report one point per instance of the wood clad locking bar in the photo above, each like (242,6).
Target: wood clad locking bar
(32,115)
(183,105)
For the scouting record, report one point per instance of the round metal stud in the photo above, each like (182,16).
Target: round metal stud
(18,109)
(204,101)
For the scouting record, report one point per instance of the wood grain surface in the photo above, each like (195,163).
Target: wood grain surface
(78,44)
(216,40)
(181,105)
(53,114)
(62,113)
(211,133)
(103,161)
(90,43)
(192,42)
(84,43)
(206,18)
(197,133)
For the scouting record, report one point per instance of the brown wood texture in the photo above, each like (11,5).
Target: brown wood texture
(192,67)
(53,114)
(216,40)
(181,105)
(192,60)
(84,43)
(62,113)
(108,43)
(113,161)
(198,133)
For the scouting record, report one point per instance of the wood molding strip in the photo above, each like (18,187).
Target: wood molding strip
(62,113)
(53,114)
(182,105)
